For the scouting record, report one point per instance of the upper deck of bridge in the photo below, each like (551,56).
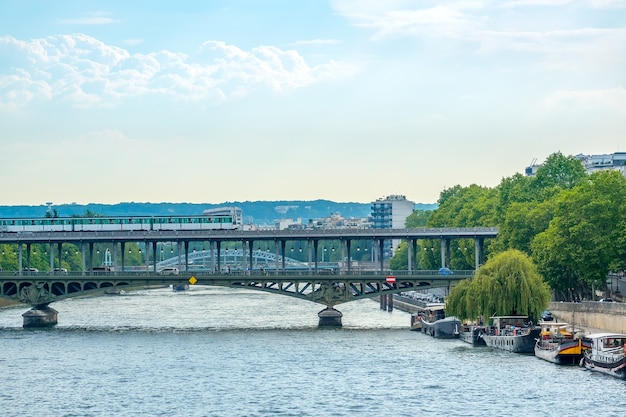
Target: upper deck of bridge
(239,235)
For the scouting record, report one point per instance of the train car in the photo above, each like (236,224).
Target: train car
(114,224)
(43,224)
(193,223)
(132,223)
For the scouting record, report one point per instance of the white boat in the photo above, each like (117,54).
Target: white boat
(511,333)
(557,344)
(436,324)
(607,354)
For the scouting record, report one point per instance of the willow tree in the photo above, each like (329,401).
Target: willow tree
(508,284)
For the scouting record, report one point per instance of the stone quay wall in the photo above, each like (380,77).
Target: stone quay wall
(592,315)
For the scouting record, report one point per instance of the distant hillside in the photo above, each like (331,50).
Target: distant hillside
(258,212)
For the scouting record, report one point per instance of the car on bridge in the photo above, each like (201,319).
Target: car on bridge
(445,271)
(169,271)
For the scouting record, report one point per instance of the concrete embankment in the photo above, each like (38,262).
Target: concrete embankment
(404,306)
(592,316)
(8,303)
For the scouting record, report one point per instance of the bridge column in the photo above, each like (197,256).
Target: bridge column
(20,258)
(329,317)
(410,247)
(51,249)
(445,248)
(40,316)
(345,254)
(186,248)
(276,254)
(60,249)
(478,246)
(90,256)
(217,252)
(83,255)
(154,256)
(381,253)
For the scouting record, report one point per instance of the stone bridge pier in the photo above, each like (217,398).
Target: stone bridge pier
(40,316)
(330,317)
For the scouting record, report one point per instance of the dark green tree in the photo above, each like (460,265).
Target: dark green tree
(586,239)
(508,284)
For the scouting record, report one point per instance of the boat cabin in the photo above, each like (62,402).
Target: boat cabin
(508,325)
(607,342)
(503,322)
(434,312)
(555,330)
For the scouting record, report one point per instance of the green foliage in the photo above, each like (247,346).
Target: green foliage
(586,238)
(472,206)
(508,284)
(571,223)
(557,173)
(419,218)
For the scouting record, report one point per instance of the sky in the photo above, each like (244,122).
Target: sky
(346,100)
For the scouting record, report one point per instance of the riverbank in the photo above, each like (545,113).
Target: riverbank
(590,316)
(8,303)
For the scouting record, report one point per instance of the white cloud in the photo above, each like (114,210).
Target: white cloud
(87,72)
(317,42)
(549,43)
(411,18)
(133,42)
(611,99)
(94,18)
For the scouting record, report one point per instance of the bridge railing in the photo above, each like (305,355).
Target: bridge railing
(234,272)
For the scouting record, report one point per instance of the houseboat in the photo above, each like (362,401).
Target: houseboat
(472,334)
(437,325)
(607,354)
(557,344)
(511,333)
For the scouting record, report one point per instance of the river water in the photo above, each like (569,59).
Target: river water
(222,352)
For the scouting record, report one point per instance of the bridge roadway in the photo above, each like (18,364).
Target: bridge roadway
(310,238)
(41,289)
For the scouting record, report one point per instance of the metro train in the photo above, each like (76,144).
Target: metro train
(134,223)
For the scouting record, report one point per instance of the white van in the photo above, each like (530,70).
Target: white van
(169,271)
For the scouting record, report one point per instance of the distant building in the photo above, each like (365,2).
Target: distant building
(337,221)
(391,213)
(283,224)
(592,163)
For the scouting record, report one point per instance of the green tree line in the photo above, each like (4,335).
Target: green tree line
(571,225)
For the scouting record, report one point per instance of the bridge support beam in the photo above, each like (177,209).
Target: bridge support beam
(40,316)
(329,317)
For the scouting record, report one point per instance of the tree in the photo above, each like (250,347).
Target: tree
(586,239)
(508,284)
(472,206)
(558,172)
(399,260)
(419,218)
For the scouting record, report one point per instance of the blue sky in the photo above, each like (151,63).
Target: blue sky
(216,101)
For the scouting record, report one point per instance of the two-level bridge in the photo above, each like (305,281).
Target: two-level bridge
(313,284)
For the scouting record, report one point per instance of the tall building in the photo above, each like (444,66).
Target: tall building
(391,213)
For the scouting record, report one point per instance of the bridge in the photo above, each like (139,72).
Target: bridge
(39,290)
(310,280)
